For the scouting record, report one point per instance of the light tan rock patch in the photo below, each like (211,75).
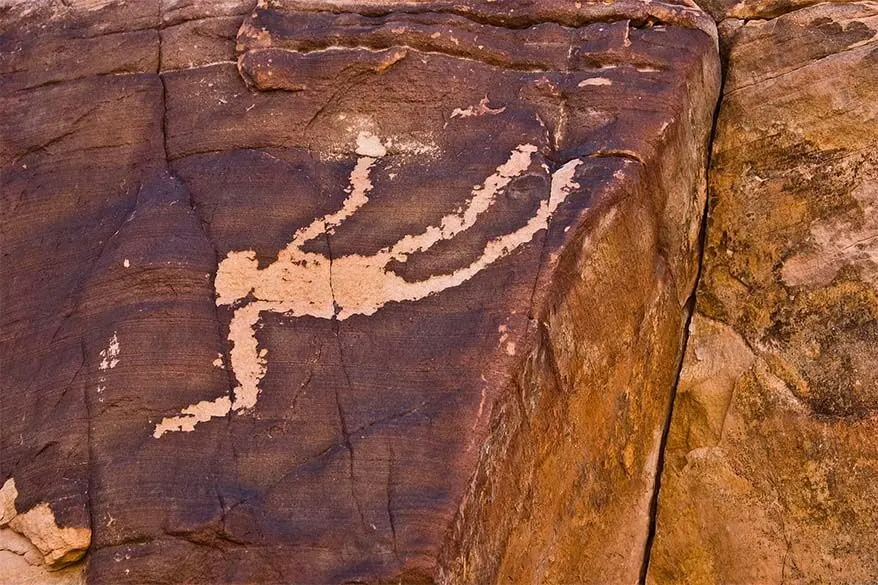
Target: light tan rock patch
(56,546)
(837,243)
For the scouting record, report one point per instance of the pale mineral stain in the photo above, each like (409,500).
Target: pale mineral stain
(423,147)
(370,145)
(362,131)
(301,283)
(482,109)
(504,334)
(595,81)
(481,406)
(57,8)
(837,243)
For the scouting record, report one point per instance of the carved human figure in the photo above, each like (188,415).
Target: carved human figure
(301,283)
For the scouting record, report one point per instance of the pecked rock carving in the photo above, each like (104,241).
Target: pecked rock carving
(303,283)
(430,262)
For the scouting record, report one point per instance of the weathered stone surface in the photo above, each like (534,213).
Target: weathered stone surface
(21,563)
(757,9)
(57,546)
(76,143)
(348,291)
(771,468)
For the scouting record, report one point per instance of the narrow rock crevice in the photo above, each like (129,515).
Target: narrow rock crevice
(342,416)
(691,304)
(164,102)
(391,517)
(89,462)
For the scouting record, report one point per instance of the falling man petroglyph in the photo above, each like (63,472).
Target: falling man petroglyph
(301,283)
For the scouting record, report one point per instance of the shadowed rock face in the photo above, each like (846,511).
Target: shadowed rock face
(345,291)
(771,471)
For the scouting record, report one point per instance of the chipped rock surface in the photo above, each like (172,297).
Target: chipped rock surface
(771,466)
(346,291)
(21,564)
(33,548)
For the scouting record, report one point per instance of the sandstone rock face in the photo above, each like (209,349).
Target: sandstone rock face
(771,468)
(345,291)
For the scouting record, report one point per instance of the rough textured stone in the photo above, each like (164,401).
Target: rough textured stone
(348,291)
(771,468)
(21,564)
(58,546)
(33,547)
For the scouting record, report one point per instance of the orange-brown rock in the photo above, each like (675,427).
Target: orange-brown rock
(771,468)
(346,292)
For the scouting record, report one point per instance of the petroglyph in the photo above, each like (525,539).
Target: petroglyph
(109,360)
(301,283)
(480,110)
(110,355)
(595,81)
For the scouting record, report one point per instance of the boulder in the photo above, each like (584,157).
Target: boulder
(345,291)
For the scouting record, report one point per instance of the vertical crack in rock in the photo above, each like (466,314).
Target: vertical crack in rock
(391,517)
(691,303)
(314,361)
(544,249)
(553,166)
(666,427)
(561,184)
(225,357)
(336,331)
(77,299)
(89,451)
(344,424)
(775,453)
(164,95)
